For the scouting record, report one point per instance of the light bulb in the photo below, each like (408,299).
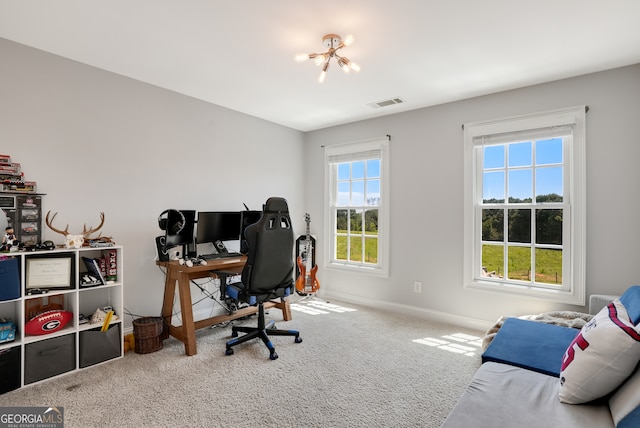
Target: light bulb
(344,64)
(323,74)
(301,57)
(348,40)
(354,66)
(319,59)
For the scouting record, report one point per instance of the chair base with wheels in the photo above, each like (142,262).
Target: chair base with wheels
(263,331)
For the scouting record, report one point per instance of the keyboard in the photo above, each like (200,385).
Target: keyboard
(220,256)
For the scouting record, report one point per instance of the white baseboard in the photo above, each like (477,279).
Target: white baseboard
(467,322)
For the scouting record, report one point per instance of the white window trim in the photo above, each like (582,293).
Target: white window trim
(576,290)
(345,149)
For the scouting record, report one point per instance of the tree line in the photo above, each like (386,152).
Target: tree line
(355,218)
(548,221)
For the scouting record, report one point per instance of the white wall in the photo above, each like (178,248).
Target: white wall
(427,205)
(95,141)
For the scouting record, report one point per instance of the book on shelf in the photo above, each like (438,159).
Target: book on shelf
(93,270)
(111,265)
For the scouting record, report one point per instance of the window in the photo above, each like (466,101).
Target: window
(525,205)
(357,217)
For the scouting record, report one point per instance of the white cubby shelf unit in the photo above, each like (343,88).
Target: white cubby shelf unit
(30,359)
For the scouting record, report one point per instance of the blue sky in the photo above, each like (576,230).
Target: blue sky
(520,163)
(357,185)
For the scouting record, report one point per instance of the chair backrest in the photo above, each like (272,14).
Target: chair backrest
(270,261)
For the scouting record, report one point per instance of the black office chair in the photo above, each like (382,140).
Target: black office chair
(268,273)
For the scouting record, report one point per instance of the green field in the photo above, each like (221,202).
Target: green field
(370,253)
(548,263)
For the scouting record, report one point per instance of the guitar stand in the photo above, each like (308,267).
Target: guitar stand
(305,296)
(306,265)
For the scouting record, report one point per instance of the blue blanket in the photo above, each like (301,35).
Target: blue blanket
(530,345)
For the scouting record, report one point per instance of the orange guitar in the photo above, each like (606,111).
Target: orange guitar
(307,281)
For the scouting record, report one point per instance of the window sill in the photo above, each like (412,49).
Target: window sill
(558,296)
(359,269)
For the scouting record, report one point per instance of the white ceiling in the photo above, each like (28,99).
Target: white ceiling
(239,54)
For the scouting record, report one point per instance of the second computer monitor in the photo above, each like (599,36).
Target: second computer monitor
(218,226)
(248,218)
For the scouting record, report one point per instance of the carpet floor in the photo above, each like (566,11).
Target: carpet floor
(356,367)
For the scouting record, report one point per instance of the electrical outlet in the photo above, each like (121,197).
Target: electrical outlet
(417,286)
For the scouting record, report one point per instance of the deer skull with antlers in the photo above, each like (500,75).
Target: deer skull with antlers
(71,240)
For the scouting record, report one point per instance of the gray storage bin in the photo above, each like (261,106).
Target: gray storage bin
(97,346)
(49,357)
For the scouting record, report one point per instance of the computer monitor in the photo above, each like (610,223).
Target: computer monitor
(178,233)
(248,218)
(218,226)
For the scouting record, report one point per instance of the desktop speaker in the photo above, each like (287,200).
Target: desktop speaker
(163,255)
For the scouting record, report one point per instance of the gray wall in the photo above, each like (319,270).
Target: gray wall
(95,141)
(427,204)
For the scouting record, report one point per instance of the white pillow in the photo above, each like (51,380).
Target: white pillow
(602,356)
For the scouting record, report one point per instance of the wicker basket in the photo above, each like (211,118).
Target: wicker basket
(146,333)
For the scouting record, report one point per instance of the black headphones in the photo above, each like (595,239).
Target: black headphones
(175,227)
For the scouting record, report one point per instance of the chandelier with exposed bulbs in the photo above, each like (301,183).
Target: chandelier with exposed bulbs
(333,43)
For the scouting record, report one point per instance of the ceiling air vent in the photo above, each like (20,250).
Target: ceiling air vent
(385,103)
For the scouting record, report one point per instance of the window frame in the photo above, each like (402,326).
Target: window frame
(574,204)
(361,150)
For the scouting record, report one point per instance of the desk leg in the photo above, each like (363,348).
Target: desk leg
(167,305)
(284,306)
(188,327)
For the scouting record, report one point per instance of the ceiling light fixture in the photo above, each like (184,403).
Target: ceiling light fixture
(333,42)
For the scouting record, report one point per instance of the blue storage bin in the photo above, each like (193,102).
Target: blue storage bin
(9,279)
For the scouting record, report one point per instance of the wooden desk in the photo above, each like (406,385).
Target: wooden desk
(182,275)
